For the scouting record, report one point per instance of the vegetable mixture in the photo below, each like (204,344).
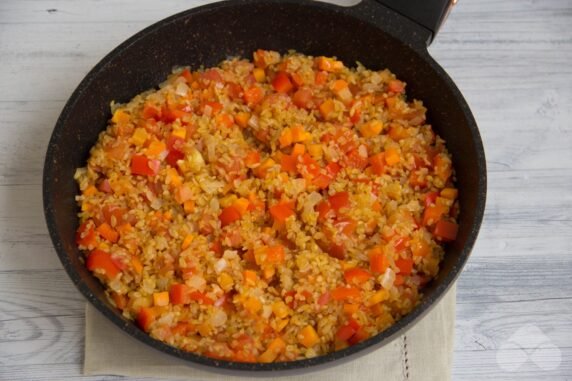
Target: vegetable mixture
(267,210)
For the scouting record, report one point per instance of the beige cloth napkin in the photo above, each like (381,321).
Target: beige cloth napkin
(424,353)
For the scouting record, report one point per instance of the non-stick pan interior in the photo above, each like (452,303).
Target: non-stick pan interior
(204,37)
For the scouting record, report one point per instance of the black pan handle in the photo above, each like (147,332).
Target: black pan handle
(428,13)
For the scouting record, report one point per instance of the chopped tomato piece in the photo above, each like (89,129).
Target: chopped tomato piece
(346,331)
(377,163)
(430,198)
(200,297)
(433,214)
(253,95)
(302,98)
(446,230)
(179,294)
(378,262)
(396,86)
(101,260)
(107,232)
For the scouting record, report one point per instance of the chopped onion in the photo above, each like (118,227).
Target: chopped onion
(388,279)
(182,89)
(220,265)
(218,318)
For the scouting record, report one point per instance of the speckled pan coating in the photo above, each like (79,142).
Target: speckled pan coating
(368,32)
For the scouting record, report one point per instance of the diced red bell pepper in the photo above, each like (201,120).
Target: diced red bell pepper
(282,83)
(344,293)
(446,230)
(141,165)
(430,198)
(229,215)
(405,265)
(377,163)
(357,275)
(281,211)
(179,294)
(101,260)
(339,200)
(85,235)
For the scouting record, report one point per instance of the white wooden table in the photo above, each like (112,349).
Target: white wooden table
(513,61)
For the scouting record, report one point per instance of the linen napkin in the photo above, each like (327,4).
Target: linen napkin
(424,353)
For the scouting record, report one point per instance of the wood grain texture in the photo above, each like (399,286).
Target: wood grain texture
(511,60)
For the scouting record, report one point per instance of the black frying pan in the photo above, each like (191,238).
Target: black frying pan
(388,33)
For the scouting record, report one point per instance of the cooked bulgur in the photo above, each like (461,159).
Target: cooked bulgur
(271,210)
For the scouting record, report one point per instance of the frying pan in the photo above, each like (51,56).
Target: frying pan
(379,34)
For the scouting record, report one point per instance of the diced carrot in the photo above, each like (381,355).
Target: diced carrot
(151,111)
(344,293)
(446,230)
(136,264)
(259,74)
(124,229)
(327,109)
(308,336)
(224,120)
(179,294)
(276,347)
(282,83)
(146,317)
(285,137)
(242,119)
(249,277)
(397,132)
(275,254)
(330,64)
(392,156)
(107,232)
(156,148)
(433,214)
(189,206)
(120,117)
(263,168)
(161,299)
(357,275)
(101,261)
(449,193)
(281,211)
(350,308)
(187,241)
(378,297)
(405,265)
(252,305)
(371,128)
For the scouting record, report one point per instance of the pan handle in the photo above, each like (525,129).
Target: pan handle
(430,14)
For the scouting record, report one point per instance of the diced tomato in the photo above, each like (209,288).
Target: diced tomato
(120,300)
(85,235)
(169,115)
(446,230)
(216,247)
(252,158)
(282,83)
(101,260)
(442,167)
(324,299)
(281,211)
(113,214)
(346,226)
(289,163)
(234,90)
(405,265)
(146,317)
(303,98)
(229,215)
(141,165)
(339,200)
(107,232)
(275,254)
(357,275)
(346,331)
(187,75)
(360,335)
